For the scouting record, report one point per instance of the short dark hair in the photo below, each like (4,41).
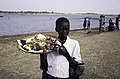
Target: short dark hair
(61,20)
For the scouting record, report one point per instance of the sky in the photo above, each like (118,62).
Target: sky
(63,6)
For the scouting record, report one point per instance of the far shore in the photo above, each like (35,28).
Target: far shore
(100,53)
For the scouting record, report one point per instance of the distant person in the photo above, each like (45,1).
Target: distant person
(100,24)
(102,27)
(103,23)
(84,24)
(111,25)
(117,22)
(88,26)
(58,63)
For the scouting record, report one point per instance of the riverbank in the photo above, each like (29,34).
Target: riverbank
(100,53)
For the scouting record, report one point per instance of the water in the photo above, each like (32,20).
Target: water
(22,24)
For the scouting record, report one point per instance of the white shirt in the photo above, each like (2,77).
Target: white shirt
(58,65)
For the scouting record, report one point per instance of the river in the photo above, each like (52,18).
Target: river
(23,24)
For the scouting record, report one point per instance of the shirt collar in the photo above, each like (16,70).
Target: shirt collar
(67,41)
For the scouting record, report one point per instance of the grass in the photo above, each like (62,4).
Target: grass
(100,53)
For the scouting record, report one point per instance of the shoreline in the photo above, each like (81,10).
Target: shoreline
(92,29)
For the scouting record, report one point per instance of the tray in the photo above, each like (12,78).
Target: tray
(49,43)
